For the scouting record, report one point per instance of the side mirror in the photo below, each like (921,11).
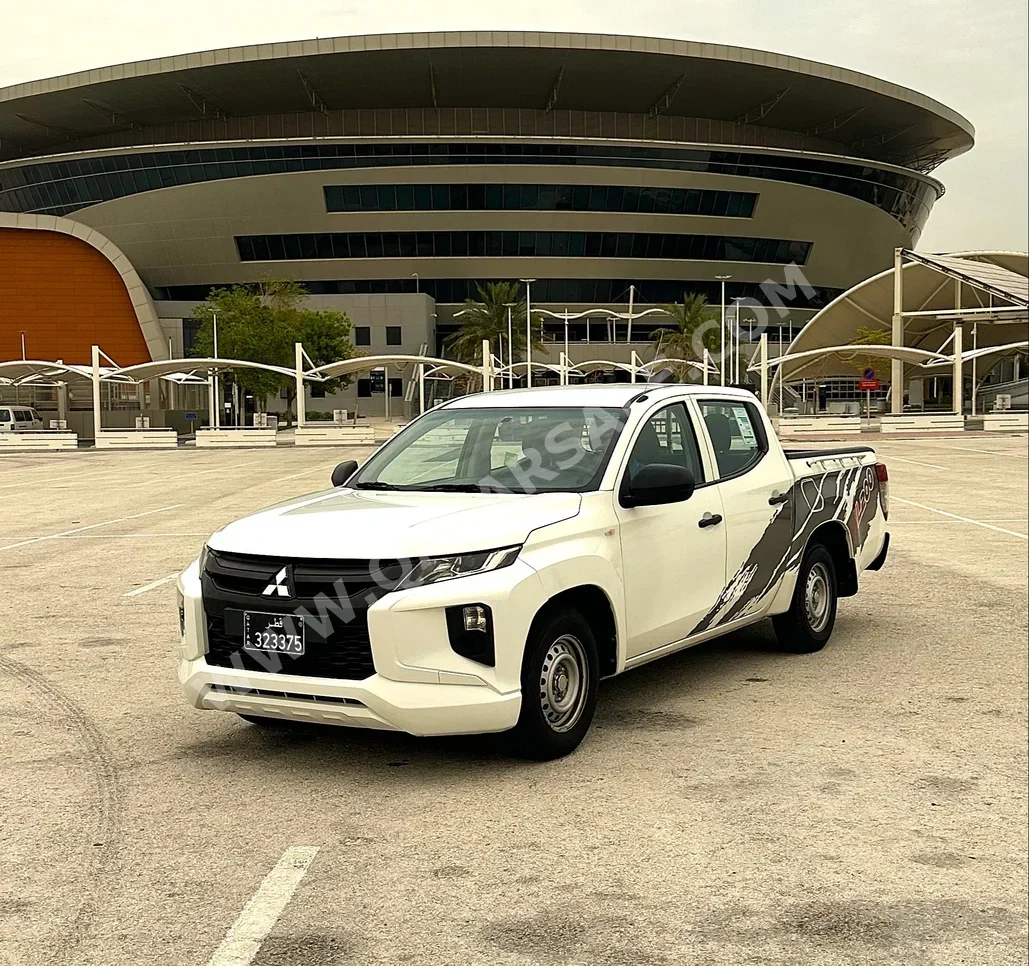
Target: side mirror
(658,483)
(343,472)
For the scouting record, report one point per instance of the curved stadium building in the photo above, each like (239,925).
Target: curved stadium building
(392,173)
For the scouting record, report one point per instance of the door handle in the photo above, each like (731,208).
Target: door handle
(710,520)
(776,498)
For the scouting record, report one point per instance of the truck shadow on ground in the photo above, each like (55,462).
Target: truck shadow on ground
(655,697)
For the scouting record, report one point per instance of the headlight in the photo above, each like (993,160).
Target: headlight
(432,570)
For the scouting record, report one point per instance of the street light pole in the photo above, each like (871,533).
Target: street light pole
(734,342)
(510,351)
(721,364)
(632,294)
(216,388)
(528,330)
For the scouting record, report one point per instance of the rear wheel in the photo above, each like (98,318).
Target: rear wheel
(807,625)
(560,676)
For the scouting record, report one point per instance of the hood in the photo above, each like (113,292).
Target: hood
(363,524)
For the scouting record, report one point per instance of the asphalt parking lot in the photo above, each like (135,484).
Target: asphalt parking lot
(733,805)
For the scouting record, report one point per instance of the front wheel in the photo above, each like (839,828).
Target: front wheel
(807,625)
(560,676)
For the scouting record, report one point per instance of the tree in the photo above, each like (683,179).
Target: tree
(866,335)
(487,319)
(262,323)
(689,332)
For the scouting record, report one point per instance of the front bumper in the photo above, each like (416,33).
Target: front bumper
(421,686)
(419,709)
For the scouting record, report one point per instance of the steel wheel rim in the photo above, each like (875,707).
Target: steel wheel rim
(817,597)
(564,683)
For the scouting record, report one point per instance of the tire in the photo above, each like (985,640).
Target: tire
(807,626)
(560,675)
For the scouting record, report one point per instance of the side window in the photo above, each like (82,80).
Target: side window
(5,415)
(737,434)
(667,437)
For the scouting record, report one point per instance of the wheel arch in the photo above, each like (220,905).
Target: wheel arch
(834,536)
(597,609)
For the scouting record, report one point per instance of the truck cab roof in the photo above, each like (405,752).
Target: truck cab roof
(602,395)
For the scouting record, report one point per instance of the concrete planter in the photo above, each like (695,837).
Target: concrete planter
(235,437)
(38,441)
(923,423)
(137,439)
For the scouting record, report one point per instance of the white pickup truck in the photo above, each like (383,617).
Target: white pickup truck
(486,567)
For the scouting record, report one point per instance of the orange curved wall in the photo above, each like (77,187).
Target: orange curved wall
(65,296)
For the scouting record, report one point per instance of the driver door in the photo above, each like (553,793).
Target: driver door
(673,568)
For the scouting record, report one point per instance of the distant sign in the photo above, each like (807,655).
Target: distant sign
(377,378)
(191,417)
(868,374)
(869,385)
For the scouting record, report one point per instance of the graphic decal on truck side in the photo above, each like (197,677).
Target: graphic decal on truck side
(849,496)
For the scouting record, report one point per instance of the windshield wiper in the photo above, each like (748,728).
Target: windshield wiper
(455,488)
(376,485)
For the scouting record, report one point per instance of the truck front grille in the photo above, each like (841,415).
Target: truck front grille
(329,592)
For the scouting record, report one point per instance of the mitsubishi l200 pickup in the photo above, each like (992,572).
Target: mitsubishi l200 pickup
(486,567)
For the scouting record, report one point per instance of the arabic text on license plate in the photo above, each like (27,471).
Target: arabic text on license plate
(278,633)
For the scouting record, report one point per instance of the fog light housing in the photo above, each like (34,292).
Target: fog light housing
(474,616)
(470,628)
(182,612)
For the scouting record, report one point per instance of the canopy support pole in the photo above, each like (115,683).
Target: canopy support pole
(707,362)
(897,365)
(487,367)
(958,391)
(96,391)
(298,350)
(764,369)
(421,388)
(634,361)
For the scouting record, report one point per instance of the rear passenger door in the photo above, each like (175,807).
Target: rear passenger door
(754,480)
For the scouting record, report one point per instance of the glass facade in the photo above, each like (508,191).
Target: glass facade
(512,244)
(538,197)
(552,291)
(60,187)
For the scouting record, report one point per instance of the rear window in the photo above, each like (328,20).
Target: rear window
(736,433)
(5,415)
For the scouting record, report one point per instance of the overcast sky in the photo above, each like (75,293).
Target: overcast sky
(970,56)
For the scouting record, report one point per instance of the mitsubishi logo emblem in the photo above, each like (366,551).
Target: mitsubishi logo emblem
(279,585)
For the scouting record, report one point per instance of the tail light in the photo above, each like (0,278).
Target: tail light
(883,476)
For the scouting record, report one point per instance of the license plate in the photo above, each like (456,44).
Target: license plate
(275,633)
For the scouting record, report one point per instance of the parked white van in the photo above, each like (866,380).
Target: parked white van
(18,419)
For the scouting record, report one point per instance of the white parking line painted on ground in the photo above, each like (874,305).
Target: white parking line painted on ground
(955,516)
(128,536)
(261,913)
(151,481)
(901,459)
(982,452)
(150,586)
(92,526)
(919,523)
(282,479)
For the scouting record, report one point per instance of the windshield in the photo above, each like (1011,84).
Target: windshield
(497,450)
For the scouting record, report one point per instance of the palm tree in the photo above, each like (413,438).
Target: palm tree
(688,335)
(487,319)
